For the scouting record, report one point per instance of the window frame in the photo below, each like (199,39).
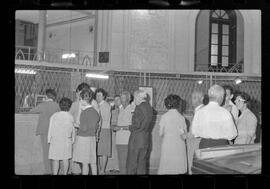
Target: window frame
(231,21)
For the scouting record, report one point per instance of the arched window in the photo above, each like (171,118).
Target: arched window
(221,46)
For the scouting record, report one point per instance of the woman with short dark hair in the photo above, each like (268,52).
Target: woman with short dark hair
(61,136)
(85,143)
(105,140)
(247,122)
(173,149)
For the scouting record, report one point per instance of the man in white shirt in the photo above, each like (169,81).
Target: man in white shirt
(122,130)
(213,123)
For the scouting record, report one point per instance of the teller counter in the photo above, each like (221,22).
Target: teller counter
(231,159)
(28,151)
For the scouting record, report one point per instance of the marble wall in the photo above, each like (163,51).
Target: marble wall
(154,40)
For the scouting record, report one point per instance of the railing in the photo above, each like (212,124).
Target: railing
(65,81)
(54,56)
(25,53)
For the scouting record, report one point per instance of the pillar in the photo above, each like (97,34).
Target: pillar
(41,34)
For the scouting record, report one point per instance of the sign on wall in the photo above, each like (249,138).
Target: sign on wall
(39,99)
(149,91)
(103,57)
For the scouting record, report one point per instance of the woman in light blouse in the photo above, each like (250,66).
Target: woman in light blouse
(247,122)
(173,149)
(104,149)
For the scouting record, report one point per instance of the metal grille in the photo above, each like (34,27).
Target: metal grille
(65,81)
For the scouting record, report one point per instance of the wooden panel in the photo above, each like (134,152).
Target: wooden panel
(225,150)
(28,151)
(241,163)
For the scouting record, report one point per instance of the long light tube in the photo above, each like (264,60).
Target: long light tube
(71,55)
(97,76)
(25,71)
(238,81)
(200,82)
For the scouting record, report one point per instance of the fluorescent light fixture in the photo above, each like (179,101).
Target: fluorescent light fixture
(25,71)
(97,76)
(238,81)
(200,82)
(93,89)
(71,55)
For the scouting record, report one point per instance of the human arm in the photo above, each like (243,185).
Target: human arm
(105,113)
(183,129)
(35,110)
(251,125)
(73,130)
(50,130)
(83,121)
(235,112)
(161,126)
(229,128)
(195,125)
(137,119)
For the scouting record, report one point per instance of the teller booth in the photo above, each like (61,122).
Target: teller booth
(229,159)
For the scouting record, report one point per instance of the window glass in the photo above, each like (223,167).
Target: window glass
(214,49)
(214,39)
(225,40)
(225,50)
(225,29)
(214,28)
(225,61)
(213,60)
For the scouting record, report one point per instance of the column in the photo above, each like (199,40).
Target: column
(104,32)
(41,34)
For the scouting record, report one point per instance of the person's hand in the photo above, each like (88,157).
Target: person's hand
(115,128)
(184,136)
(187,135)
(126,128)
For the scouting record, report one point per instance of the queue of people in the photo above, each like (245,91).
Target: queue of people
(78,136)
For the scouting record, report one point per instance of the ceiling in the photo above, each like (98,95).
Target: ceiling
(52,15)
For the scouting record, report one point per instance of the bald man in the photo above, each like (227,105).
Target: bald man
(213,123)
(197,98)
(139,140)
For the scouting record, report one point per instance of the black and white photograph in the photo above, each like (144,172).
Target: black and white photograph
(138,92)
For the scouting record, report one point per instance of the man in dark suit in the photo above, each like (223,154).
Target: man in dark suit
(46,110)
(139,140)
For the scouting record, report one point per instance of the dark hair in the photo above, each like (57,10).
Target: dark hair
(228,87)
(51,93)
(89,92)
(172,101)
(65,104)
(205,99)
(100,90)
(82,86)
(131,98)
(244,96)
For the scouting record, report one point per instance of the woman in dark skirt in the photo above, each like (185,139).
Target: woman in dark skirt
(105,135)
